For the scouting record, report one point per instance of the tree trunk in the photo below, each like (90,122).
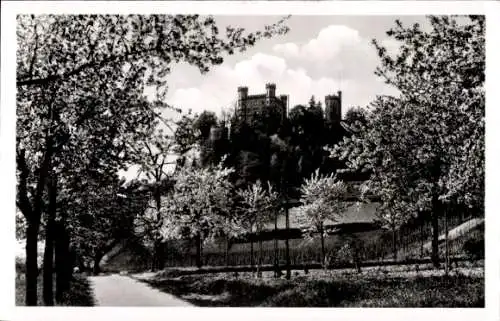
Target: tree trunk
(33,216)
(357,258)
(252,263)
(276,252)
(32,212)
(422,221)
(97,260)
(158,198)
(259,264)
(48,257)
(31,273)
(161,258)
(323,251)
(48,270)
(154,261)
(447,253)
(435,232)
(287,245)
(226,254)
(199,250)
(394,247)
(63,273)
(158,257)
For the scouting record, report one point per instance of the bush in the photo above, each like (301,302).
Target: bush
(474,248)
(79,293)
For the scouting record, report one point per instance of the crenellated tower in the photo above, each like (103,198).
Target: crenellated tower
(333,108)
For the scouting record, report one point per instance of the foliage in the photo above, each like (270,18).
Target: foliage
(355,114)
(102,217)
(413,144)
(257,206)
(322,199)
(185,135)
(58,47)
(200,205)
(204,123)
(80,88)
(149,220)
(154,152)
(474,247)
(20,226)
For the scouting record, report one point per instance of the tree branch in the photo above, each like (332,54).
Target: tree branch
(89,64)
(33,59)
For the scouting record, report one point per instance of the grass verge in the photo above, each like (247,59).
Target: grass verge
(342,291)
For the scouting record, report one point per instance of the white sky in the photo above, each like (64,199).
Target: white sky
(319,56)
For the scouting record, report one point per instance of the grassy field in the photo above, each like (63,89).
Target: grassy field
(327,290)
(80,293)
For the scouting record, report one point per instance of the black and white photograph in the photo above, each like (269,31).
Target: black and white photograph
(249,160)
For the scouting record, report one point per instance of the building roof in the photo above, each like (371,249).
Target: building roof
(356,213)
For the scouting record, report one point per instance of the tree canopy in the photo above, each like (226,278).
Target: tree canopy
(425,147)
(80,94)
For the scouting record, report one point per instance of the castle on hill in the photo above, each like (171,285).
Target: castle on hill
(252,107)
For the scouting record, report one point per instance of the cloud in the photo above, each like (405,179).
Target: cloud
(219,87)
(329,43)
(287,49)
(337,58)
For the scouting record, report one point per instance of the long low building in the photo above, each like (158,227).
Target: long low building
(356,213)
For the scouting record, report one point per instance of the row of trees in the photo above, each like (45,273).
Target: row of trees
(82,116)
(423,150)
(81,113)
(203,204)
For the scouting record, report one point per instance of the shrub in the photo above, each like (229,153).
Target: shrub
(474,248)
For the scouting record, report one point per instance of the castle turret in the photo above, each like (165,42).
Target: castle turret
(242,97)
(242,93)
(270,93)
(333,108)
(270,90)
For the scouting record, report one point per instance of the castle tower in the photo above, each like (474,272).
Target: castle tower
(242,97)
(270,92)
(333,108)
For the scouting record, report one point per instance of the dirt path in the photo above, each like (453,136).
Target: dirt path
(117,290)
